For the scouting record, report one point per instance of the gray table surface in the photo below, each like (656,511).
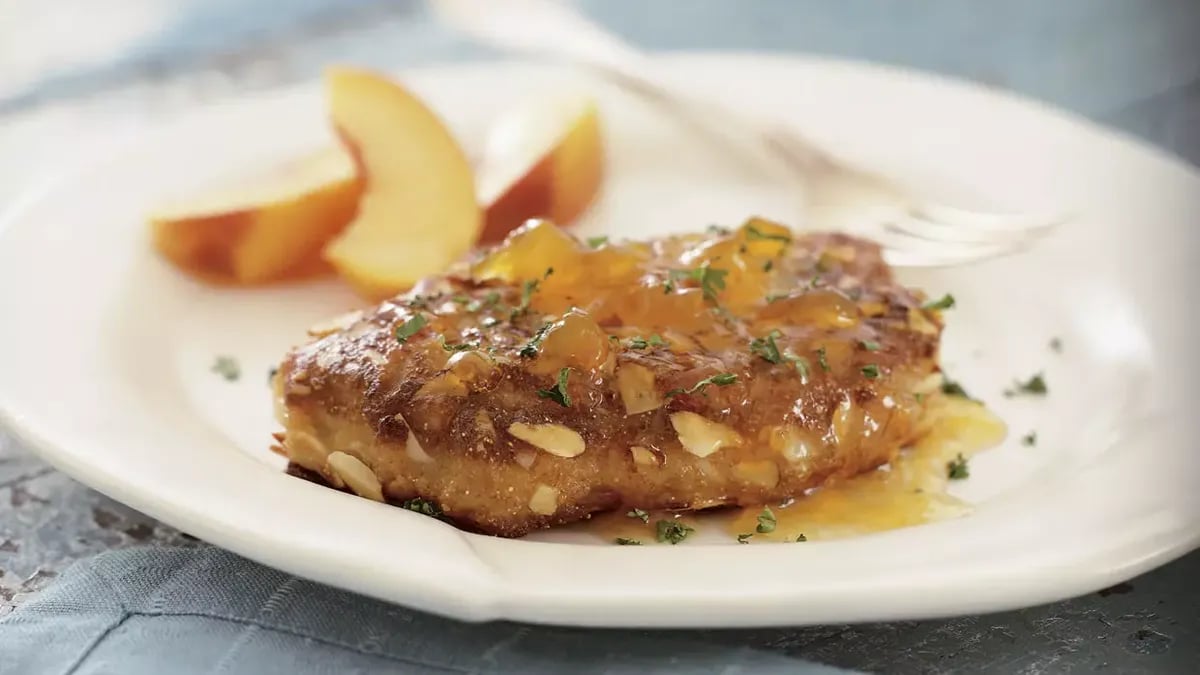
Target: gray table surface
(1131,65)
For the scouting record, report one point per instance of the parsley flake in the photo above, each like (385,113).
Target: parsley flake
(411,327)
(869,345)
(597,242)
(768,265)
(490,300)
(956,469)
(638,343)
(672,531)
(710,279)
(801,365)
(721,380)
(639,514)
(422,506)
(755,234)
(530,349)
(945,302)
(766,521)
(766,347)
(228,368)
(870,371)
(1034,386)
(822,360)
(456,347)
(744,538)
(625,541)
(558,393)
(1029,439)
(952,388)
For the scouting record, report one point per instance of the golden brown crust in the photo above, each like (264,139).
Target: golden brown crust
(823,380)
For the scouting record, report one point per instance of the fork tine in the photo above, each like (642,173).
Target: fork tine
(905,250)
(940,231)
(983,220)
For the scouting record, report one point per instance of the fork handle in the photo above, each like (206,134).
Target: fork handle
(554,29)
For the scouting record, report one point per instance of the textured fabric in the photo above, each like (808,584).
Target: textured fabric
(169,610)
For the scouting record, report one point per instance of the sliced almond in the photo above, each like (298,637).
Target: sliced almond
(643,456)
(470,366)
(356,475)
(553,438)
(412,444)
(525,458)
(446,384)
(763,473)
(544,501)
(636,385)
(794,445)
(337,323)
(701,436)
(305,449)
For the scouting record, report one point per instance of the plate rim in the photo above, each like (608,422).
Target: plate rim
(495,605)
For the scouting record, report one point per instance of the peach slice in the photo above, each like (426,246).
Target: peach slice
(543,159)
(261,226)
(418,211)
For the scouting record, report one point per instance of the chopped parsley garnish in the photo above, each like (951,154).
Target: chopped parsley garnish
(597,242)
(527,290)
(642,343)
(558,393)
(1056,344)
(956,469)
(870,371)
(952,388)
(711,280)
(801,538)
(721,380)
(919,397)
(945,302)
(640,515)
(422,506)
(530,349)
(411,327)
(755,234)
(801,365)
(420,301)
(490,300)
(625,541)
(776,296)
(460,299)
(766,348)
(1029,439)
(1035,386)
(768,265)
(227,367)
(869,345)
(766,521)
(822,360)
(457,347)
(672,531)
(744,538)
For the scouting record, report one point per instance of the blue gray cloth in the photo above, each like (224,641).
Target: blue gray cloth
(206,610)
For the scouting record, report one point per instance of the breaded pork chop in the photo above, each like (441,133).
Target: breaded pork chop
(548,380)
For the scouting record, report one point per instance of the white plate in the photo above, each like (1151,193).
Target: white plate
(105,354)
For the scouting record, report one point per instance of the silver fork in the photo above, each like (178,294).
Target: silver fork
(914,232)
